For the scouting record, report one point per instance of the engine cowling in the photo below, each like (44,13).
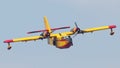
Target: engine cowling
(45,34)
(75,30)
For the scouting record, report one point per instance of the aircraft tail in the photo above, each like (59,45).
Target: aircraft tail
(47,26)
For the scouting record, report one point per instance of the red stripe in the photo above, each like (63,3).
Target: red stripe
(36,31)
(112,26)
(8,41)
(47,30)
(60,28)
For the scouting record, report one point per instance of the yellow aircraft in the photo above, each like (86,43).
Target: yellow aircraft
(60,40)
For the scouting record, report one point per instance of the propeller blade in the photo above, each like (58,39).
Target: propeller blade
(75,35)
(76,25)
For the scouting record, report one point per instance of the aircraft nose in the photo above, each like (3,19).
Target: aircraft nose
(8,41)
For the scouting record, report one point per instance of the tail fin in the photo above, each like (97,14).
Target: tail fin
(47,26)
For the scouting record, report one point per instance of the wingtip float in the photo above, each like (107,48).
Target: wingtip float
(111,28)
(61,40)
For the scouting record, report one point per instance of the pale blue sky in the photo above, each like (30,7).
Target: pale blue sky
(96,50)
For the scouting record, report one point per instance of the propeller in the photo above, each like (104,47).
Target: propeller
(78,30)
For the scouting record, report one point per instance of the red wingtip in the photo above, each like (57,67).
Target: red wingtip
(8,41)
(112,26)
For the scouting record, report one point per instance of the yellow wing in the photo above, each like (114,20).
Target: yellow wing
(99,28)
(23,39)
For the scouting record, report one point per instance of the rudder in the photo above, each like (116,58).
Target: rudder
(47,26)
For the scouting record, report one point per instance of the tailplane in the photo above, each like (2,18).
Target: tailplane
(47,27)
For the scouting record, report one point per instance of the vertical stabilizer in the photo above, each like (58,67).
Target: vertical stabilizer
(47,26)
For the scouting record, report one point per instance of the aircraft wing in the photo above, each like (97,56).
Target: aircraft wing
(99,28)
(24,39)
(64,34)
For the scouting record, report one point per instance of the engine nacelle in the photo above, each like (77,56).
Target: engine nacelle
(74,29)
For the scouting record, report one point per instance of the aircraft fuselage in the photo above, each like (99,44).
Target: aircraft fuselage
(61,42)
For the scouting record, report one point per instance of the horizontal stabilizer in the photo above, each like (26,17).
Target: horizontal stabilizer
(36,31)
(53,29)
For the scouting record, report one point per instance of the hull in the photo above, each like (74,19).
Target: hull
(62,44)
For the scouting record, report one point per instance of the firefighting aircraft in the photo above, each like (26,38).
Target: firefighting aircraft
(60,40)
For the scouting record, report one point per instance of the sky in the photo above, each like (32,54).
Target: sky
(93,50)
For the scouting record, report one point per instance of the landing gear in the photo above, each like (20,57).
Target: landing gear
(112,33)
(70,40)
(9,47)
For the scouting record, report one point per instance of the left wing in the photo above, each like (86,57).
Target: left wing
(64,34)
(99,28)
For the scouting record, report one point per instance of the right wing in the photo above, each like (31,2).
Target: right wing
(24,39)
